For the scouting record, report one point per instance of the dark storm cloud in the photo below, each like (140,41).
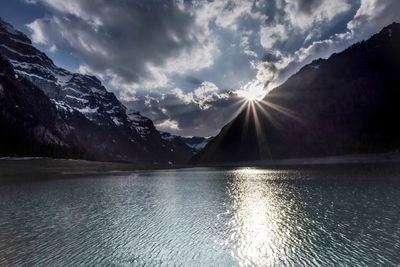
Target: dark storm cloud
(307,6)
(120,36)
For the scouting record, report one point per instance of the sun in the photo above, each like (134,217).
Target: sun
(252,92)
(251,96)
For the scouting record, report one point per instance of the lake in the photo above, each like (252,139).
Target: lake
(326,215)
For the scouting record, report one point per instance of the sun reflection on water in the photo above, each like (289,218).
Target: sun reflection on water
(258,223)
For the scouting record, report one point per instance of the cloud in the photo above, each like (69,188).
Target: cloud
(53,48)
(168,125)
(38,36)
(145,45)
(272,34)
(306,6)
(372,16)
(304,14)
(299,17)
(135,43)
(205,89)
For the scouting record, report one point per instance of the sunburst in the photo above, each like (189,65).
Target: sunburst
(255,105)
(252,92)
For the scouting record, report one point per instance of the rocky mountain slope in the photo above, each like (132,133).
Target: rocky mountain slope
(348,103)
(93,120)
(29,123)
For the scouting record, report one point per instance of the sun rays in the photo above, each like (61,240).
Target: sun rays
(259,114)
(250,99)
(253,123)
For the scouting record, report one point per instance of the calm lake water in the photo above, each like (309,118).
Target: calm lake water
(342,215)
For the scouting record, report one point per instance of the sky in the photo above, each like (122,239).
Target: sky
(187,64)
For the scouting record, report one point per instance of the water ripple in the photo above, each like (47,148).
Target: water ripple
(205,217)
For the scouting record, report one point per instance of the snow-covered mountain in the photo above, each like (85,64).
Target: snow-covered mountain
(195,143)
(29,123)
(93,119)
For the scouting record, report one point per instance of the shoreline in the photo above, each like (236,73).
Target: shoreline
(32,168)
(391,157)
(16,169)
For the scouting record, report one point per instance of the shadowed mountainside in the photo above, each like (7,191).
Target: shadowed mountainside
(29,124)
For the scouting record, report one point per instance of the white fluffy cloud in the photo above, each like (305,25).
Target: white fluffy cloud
(38,36)
(168,125)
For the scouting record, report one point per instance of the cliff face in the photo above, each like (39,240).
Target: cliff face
(348,103)
(83,115)
(29,123)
